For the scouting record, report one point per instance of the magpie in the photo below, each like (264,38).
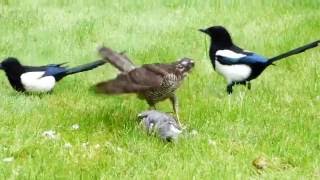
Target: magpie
(39,79)
(239,66)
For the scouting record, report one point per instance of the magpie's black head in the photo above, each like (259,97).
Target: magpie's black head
(219,35)
(10,63)
(13,70)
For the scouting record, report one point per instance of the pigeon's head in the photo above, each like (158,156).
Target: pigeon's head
(184,65)
(219,35)
(10,63)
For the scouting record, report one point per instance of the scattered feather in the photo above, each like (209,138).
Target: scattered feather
(8,159)
(194,132)
(67,145)
(50,134)
(212,142)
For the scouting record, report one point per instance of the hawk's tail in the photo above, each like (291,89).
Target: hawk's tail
(118,60)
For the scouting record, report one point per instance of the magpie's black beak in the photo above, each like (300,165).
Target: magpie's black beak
(204,31)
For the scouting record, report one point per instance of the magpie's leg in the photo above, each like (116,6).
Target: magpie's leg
(229,87)
(249,85)
(174,101)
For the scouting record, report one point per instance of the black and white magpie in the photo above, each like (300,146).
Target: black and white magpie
(236,65)
(39,78)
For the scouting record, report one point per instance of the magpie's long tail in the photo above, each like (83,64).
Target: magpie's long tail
(85,67)
(118,60)
(294,51)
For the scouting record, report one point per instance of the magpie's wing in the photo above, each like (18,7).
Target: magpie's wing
(138,80)
(35,68)
(253,59)
(57,65)
(54,71)
(44,68)
(229,57)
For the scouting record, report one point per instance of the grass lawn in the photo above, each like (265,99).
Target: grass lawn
(279,119)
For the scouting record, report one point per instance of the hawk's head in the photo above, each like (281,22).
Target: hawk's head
(184,66)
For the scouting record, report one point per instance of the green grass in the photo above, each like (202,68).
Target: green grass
(278,119)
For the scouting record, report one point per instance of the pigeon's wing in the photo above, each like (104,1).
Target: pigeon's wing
(147,113)
(137,80)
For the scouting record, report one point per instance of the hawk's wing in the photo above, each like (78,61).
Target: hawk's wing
(137,80)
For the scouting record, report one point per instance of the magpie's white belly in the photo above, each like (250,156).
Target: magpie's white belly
(233,73)
(34,82)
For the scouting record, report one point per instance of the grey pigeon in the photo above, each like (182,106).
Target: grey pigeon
(161,124)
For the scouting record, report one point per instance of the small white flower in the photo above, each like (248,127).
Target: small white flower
(85,144)
(194,132)
(97,146)
(50,134)
(75,127)
(8,159)
(119,149)
(68,146)
(212,142)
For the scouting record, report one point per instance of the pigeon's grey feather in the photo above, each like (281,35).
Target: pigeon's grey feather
(161,124)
